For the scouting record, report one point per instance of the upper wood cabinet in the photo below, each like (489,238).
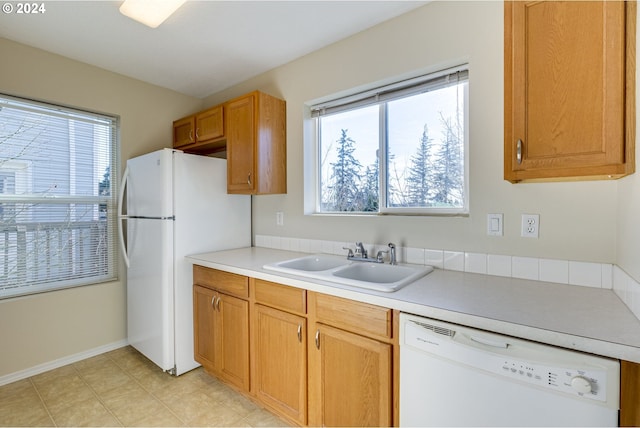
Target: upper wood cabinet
(569,90)
(184,132)
(202,133)
(256,144)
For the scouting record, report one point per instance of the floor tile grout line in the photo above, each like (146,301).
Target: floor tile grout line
(126,372)
(148,391)
(95,393)
(46,408)
(127,363)
(184,422)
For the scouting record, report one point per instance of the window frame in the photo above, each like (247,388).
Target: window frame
(380,95)
(110,271)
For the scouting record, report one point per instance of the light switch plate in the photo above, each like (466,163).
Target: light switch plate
(494,224)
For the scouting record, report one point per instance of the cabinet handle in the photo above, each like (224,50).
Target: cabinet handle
(213,302)
(318,338)
(191,135)
(218,304)
(300,333)
(197,136)
(249,179)
(519,151)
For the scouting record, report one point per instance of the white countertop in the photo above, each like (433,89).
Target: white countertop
(587,319)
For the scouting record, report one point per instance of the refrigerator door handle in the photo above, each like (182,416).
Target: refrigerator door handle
(122,217)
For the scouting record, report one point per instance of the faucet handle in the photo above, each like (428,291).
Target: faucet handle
(350,253)
(380,257)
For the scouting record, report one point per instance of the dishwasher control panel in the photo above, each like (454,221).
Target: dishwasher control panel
(583,382)
(544,366)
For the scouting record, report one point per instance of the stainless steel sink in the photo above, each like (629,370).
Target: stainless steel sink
(373,276)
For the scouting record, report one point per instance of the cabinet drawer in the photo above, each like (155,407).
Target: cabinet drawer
(281,296)
(358,317)
(230,283)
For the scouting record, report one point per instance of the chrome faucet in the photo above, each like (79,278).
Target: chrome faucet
(361,255)
(392,254)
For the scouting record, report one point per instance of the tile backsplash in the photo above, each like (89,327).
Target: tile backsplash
(586,274)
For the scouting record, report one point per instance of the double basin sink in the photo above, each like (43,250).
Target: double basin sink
(373,276)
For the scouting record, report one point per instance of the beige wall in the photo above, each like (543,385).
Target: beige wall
(577,220)
(45,327)
(628,209)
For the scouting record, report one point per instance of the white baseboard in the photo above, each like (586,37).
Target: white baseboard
(41,368)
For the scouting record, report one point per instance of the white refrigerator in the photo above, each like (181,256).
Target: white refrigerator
(176,205)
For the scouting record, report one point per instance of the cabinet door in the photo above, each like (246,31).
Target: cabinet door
(241,143)
(280,353)
(350,379)
(210,124)
(233,340)
(204,327)
(183,132)
(565,89)
(629,394)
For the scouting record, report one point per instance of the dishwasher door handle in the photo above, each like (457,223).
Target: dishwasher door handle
(490,342)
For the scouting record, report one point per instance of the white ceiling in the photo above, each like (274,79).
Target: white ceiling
(206,46)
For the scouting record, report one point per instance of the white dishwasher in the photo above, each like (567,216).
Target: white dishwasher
(458,376)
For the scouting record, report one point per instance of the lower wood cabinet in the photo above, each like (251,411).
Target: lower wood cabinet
(339,372)
(221,328)
(280,361)
(351,363)
(629,394)
(351,379)
(204,314)
(312,358)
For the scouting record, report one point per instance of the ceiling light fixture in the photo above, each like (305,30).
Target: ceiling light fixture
(150,12)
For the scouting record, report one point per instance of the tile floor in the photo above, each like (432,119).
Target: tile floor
(123,388)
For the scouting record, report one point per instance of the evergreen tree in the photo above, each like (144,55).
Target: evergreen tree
(345,177)
(449,165)
(370,188)
(420,172)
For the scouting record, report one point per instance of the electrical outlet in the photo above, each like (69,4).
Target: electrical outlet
(279,218)
(530,225)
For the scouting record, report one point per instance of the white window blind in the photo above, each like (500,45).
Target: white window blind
(57,197)
(394,91)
